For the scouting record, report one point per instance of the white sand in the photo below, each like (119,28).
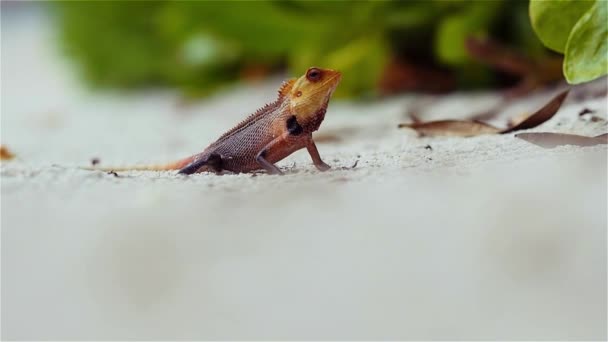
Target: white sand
(481,238)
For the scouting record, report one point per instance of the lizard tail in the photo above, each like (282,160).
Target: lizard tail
(162,167)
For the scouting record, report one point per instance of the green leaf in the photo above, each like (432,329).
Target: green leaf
(553,20)
(474,19)
(587,46)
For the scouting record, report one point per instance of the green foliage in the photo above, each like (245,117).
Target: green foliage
(577,28)
(454,29)
(587,48)
(202,45)
(553,20)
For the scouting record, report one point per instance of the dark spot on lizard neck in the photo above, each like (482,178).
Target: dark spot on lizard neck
(293,126)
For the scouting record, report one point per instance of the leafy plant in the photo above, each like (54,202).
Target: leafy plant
(579,30)
(200,46)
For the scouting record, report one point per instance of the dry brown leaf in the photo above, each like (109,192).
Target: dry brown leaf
(541,115)
(451,128)
(462,128)
(516,120)
(5,153)
(550,140)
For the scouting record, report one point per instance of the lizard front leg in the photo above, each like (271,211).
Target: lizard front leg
(316,158)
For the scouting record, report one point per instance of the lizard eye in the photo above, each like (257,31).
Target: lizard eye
(313,74)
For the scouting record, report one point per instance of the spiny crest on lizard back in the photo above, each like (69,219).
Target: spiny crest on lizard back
(305,96)
(283,91)
(250,119)
(286,88)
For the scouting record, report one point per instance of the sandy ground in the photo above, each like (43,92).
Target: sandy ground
(480,238)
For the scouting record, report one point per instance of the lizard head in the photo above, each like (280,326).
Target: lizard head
(311,92)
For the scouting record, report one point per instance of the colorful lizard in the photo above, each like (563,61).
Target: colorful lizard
(270,134)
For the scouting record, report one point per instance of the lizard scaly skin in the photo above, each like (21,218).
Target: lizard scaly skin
(270,134)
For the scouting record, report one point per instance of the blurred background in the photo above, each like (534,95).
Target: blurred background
(406,237)
(382,47)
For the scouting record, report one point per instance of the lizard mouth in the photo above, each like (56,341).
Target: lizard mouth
(335,78)
(333,82)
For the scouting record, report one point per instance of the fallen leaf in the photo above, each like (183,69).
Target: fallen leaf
(550,140)
(516,120)
(541,115)
(463,128)
(5,153)
(453,128)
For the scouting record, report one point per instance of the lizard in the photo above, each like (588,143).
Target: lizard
(269,135)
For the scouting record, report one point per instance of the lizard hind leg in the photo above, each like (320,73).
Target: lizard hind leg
(268,166)
(214,162)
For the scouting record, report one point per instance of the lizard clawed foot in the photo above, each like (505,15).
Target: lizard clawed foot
(322,167)
(276,172)
(316,158)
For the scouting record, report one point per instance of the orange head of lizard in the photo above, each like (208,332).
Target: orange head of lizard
(311,92)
